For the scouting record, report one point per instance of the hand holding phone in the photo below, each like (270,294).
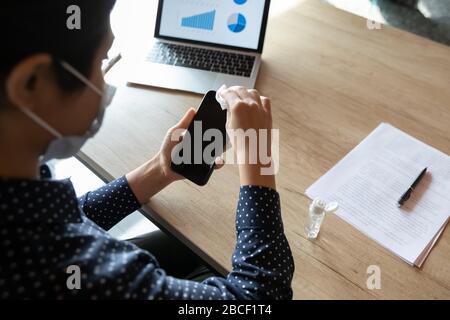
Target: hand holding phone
(204,141)
(194,158)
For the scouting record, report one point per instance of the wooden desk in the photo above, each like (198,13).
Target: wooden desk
(332,81)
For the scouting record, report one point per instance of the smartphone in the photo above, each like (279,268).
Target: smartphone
(204,140)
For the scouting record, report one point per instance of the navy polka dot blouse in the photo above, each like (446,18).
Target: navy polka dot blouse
(44,229)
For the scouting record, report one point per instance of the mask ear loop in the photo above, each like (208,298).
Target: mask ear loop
(80,77)
(41,122)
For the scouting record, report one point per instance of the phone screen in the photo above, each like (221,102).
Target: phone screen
(204,140)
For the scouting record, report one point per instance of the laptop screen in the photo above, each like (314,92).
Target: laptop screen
(238,24)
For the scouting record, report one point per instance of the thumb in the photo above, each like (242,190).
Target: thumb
(186,120)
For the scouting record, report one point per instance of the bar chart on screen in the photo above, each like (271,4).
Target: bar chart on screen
(203,21)
(234,23)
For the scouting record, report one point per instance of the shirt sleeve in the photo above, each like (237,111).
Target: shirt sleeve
(109,204)
(262,262)
(263,266)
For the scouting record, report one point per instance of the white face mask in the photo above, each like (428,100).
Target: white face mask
(66,147)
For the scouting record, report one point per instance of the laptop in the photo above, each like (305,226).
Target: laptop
(201,45)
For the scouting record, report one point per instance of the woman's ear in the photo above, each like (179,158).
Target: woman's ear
(20,84)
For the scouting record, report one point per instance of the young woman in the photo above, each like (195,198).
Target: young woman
(52,100)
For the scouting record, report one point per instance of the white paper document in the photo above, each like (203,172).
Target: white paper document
(370,180)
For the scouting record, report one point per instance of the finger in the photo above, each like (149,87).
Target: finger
(186,120)
(236,88)
(231,97)
(251,97)
(256,96)
(243,93)
(219,163)
(240,91)
(266,104)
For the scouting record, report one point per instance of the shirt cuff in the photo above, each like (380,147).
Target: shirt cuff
(258,207)
(109,204)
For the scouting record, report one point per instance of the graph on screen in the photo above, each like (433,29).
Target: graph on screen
(234,23)
(203,21)
(237,22)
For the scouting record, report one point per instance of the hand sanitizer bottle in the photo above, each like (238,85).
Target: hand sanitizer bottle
(317,211)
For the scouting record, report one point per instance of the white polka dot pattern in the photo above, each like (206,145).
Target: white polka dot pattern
(109,204)
(44,229)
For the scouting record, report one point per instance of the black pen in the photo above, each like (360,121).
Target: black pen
(408,192)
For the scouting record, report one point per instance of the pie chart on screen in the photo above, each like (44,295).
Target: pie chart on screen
(236,22)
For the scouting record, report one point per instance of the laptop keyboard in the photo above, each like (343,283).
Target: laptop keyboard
(202,59)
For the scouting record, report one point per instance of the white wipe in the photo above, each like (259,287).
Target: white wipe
(223,104)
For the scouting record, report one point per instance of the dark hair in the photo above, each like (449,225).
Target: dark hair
(40,26)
